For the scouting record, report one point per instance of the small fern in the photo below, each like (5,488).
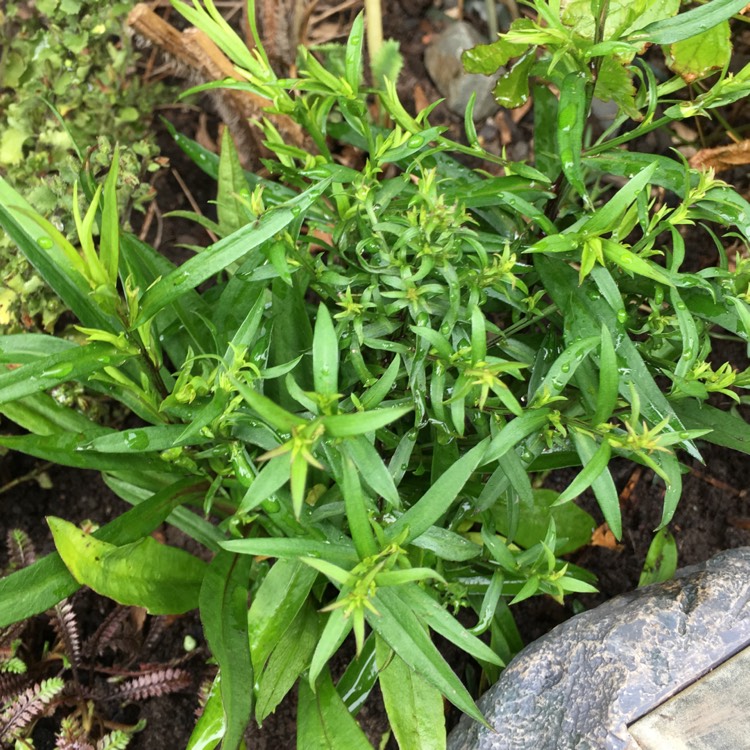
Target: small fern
(18,713)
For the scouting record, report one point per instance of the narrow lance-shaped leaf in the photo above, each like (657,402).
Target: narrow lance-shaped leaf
(571,120)
(223,609)
(325,354)
(323,721)
(436,501)
(414,707)
(228,250)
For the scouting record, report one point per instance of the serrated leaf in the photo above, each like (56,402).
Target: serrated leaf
(697,56)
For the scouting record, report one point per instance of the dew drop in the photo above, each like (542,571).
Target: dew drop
(565,367)
(415,141)
(622,316)
(45,243)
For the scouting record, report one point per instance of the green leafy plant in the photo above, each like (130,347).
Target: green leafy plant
(65,83)
(66,675)
(350,413)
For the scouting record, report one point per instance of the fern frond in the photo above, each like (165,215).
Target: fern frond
(10,633)
(21,552)
(109,634)
(117,740)
(24,708)
(12,683)
(72,736)
(153,684)
(65,624)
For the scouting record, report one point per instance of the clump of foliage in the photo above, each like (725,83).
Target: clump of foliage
(65,82)
(384,360)
(73,675)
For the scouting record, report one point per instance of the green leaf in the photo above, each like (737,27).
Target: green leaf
(512,88)
(325,354)
(591,470)
(353,56)
(515,431)
(609,379)
(109,243)
(371,468)
(209,729)
(571,119)
(275,606)
(414,706)
(335,553)
(697,56)
(338,625)
(277,417)
(349,425)
(439,497)
(323,721)
(606,218)
(230,210)
(487,59)
(400,628)
(40,586)
(143,439)
(223,610)
(689,24)
(359,678)
(216,258)
(357,510)
(661,559)
(633,263)
(603,485)
(287,661)
(44,247)
(67,365)
(162,579)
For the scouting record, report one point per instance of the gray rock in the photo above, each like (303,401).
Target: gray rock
(443,62)
(580,685)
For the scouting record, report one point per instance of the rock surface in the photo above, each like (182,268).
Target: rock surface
(580,685)
(443,62)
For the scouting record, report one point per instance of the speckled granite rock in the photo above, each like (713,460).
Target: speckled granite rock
(443,62)
(580,685)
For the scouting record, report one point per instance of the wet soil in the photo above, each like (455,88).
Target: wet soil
(714,513)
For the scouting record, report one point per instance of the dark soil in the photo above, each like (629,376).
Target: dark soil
(713,515)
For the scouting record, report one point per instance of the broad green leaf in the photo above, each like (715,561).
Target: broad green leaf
(688,24)
(487,59)
(276,604)
(41,414)
(287,661)
(40,586)
(698,55)
(228,250)
(439,497)
(223,611)
(661,559)
(512,88)
(447,545)
(403,631)
(325,354)
(726,428)
(414,706)
(323,721)
(338,626)
(162,579)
